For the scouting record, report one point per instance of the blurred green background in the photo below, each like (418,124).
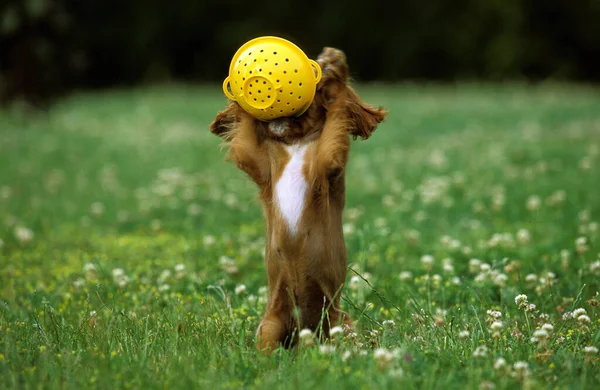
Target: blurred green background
(49,47)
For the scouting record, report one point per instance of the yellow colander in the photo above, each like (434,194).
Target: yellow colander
(271,77)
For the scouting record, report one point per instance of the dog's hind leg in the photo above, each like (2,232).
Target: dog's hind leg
(270,333)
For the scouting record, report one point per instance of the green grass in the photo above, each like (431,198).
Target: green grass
(133,180)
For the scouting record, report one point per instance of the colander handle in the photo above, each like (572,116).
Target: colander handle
(226,89)
(315,65)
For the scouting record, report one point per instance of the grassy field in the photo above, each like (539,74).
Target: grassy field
(131,253)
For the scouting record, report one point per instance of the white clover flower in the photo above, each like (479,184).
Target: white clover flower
(578,312)
(590,350)
(194,209)
(405,275)
(396,372)
(354,283)
(474,265)
(252,299)
(123,281)
(240,289)
(209,240)
(548,327)
(541,334)
(326,349)
(531,278)
(530,307)
(499,363)
(165,274)
(463,334)
(595,267)
(496,325)
(383,357)
(388,324)
(455,280)
(584,319)
(521,300)
(494,314)
(348,228)
(80,282)
(533,203)
(117,273)
(97,209)
(480,352)
(581,244)
(427,261)
(447,266)
(485,268)
(164,287)
(523,236)
(521,369)
(180,268)
(93,313)
(23,234)
(346,355)
(306,337)
(89,267)
(500,280)
(336,331)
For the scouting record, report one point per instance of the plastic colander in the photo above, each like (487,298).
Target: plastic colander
(270,78)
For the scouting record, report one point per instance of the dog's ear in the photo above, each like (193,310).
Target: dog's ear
(224,123)
(363,118)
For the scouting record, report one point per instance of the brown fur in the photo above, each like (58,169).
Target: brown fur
(307,271)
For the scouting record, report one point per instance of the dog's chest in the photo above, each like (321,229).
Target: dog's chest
(290,189)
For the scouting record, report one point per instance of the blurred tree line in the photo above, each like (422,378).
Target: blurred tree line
(49,47)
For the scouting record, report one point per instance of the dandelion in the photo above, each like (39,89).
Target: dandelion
(590,350)
(23,234)
(405,275)
(383,358)
(499,363)
(306,337)
(240,289)
(463,334)
(480,352)
(427,261)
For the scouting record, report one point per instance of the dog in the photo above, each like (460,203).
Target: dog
(299,166)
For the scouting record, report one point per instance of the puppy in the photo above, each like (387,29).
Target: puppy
(299,167)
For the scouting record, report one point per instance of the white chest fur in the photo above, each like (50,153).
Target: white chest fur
(291,188)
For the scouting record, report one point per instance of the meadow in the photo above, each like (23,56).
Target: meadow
(131,252)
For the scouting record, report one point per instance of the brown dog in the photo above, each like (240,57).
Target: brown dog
(299,167)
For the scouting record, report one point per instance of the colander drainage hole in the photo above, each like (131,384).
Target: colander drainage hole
(268,96)
(299,84)
(287,60)
(295,70)
(290,82)
(285,72)
(299,97)
(275,52)
(291,93)
(255,60)
(250,72)
(261,50)
(280,110)
(264,82)
(270,73)
(276,64)
(293,109)
(259,91)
